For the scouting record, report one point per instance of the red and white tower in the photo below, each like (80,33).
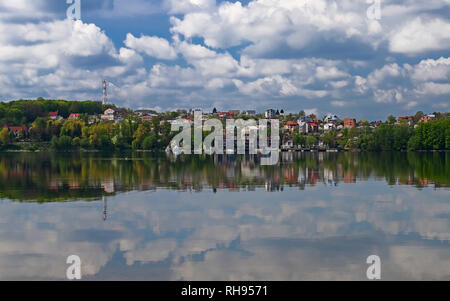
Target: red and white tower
(105,94)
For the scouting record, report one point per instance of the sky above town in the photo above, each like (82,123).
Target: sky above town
(321,56)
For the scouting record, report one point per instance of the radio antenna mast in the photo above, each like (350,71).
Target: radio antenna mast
(105,94)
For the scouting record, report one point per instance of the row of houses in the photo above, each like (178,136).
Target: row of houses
(306,124)
(310,124)
(410,119)
(110,114)
(269,114)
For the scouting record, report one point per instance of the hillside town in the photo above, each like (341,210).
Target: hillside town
(93,125)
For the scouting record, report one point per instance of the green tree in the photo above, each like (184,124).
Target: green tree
(84,143)
(367,143)
(53,128)
(106,143)
(311,141)
(5,138)
(75,107)
(401,136)
(150,142)
(135,145)
(141,132)
(72,128)
(414,143)
(76,142)
(65,142)
(391,119)
(383,137)
(430,135)
(15,116)
(31,111)
(330,139)
(364,123)
(38,129)
(299,139)
(61,143)
(417,116)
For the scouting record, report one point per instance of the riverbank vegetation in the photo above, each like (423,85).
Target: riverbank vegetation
(85,132)
(388,136)
(433,135)
(27,125)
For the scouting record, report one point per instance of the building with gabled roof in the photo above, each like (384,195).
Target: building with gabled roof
(74,115)
(53,116)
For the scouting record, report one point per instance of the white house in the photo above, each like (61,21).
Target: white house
(54,116)
(288,144)
(110,114)
(329,126)
(304,119)
(270,113)
(331,118)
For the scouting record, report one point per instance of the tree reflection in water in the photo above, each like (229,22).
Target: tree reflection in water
(50,177)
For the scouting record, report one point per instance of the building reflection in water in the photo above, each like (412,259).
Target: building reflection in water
(71,176)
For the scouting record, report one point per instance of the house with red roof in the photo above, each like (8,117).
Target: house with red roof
(313,127)
(111,114)
(226,115)
(53,116)
(308,126)
(426,118)
(291,126)
(17,129)
(409,119)
(74,116)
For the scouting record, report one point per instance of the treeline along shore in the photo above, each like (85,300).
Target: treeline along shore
(61,125)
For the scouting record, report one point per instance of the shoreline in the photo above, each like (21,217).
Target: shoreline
(161,151)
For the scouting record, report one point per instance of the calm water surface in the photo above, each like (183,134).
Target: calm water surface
(314,216)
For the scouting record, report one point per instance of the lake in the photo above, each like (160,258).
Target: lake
(141,216)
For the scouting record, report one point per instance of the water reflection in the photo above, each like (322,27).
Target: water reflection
(324,232)
(60,177)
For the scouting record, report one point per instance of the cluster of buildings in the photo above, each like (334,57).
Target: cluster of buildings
(110,114)
(222,115)
(271,113)
(303,124)
(308,124)
(410,119)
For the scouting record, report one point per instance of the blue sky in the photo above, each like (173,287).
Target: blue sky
(321,56)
